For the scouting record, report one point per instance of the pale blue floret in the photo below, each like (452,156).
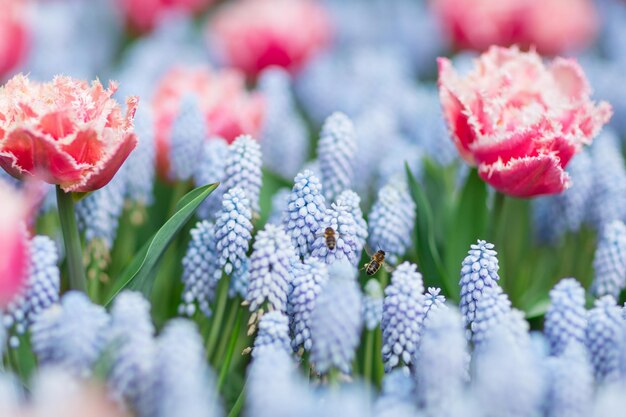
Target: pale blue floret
(341,220)
(494,314)
(372,304)
(305,211)
(391,220)
(201,270)
(270,265)
(273,333)
(352,201)
(336,321)
(243,169)
(566,318)
(239,280)
(211,168)
(188,135)
(403,314)
(604,338)
(233,228)
(336,152)
(609,262)
(140,165)
(397,397)
(284,139)
(308,281)
(71,334)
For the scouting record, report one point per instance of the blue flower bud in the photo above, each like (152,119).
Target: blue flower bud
(243,169)
(566,318)
(233,228)
(336,152)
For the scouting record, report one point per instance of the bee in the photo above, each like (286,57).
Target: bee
(331,238)
(378,259)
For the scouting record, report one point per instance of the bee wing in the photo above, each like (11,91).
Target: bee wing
(389,268)
(368,250)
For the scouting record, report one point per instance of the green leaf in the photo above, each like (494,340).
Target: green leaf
(468,224)
(538,309)
(140,273)
(428,256)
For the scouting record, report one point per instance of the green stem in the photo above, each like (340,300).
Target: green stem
(234,308)
(71,237)
(231,348)
(380,369)
(369,351)
(222,295)
(236,410)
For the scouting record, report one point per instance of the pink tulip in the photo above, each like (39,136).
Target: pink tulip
(549,26)
(64,132)
(519,121)
(14,35)
(13,244)
(228,108)
(144,15)
(254,34)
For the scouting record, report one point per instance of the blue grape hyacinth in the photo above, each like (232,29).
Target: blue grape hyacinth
(352,201)
(201,270)
(478,271)
(284,139)
(187,138)
(233,228)
(570,383)
(605,339)
(270,265)
(336,321)
(336,152)
(71,335)
(211,168)
(273,333)
(392,219)
(566,318)
(239,280)
(306,207)
(609,262)
(341,220)
(280,202)
(308,281)
(372,304)
(494,314)
(433,301)
(140,165)
(243,169)
(403,314)
(41,290)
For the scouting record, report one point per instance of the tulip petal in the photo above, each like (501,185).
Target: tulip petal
(526,177)
(86,148)
(57,124)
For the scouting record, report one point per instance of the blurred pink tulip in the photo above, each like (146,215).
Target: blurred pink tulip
(519,121)
(255,34)
(144,15)
(64,132)
(13,243)
(14,35)
(228,108)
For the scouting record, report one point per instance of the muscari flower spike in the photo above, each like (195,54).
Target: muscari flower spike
(570,383)
(308,281)
(403,314)
(336,320)
(233,228)
(433,301)
(608,199)
(131,341)
(243,169)
(336,152)
(201,270)
(280,202)
(341,220)
(174,389)
(284,139)
(372,304)
(305,212)
(478,271)
(273,333)
(187,138)
(41,290)
(441,362)
(604,338)
(392,219)
(397,395)
(609,261)
(140,171)
(270,265)
(392,164)
(566,318)
(352,201)
(211,168)
(71,335)
(239,280)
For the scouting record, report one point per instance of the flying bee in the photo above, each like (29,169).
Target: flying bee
(376,262)
(331,238)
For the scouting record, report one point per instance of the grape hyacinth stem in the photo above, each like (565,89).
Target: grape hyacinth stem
(234,335)
(369,355)
(233,312)
(71,238)
(222,297)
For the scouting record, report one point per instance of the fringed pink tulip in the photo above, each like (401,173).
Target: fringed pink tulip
(519,121)
(14,35)
(549,26)
(13,244)
(64,132)
(144,15)
(229,110)
(254,34)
